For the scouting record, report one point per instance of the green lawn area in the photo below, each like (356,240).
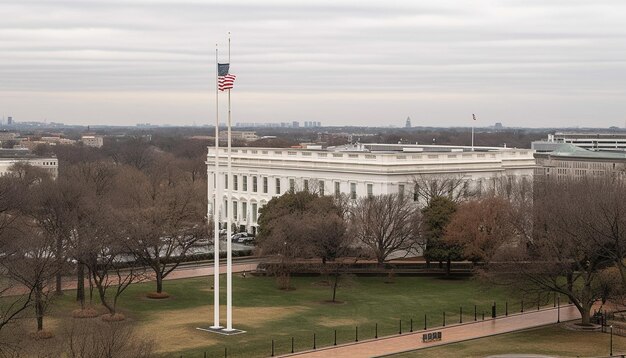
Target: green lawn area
(551,340)
(267,313)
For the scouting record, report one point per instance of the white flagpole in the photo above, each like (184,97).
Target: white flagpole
(473,120)
(216,210)
(229,247)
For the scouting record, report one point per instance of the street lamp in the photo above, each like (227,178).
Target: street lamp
(611,344)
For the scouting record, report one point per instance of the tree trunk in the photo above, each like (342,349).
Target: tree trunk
(159,281)
(448,266)
(80,284)
(585,314)
(335,284)
(39,306)
(570,285)
(59,258)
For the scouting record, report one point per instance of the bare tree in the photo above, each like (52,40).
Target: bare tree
(560,256)
(163,213)
(481,227)
(426,187)
(93,339)
(385,224)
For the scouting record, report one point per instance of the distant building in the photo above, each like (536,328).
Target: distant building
(9,121)
(408,122)
(498,126)
(96,141)
(247,136)
(570,161)
(9,157)
(591,141)
(295,124)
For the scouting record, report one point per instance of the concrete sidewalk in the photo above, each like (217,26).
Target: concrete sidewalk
(450,334)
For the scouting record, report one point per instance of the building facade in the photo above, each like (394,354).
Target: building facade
(9,157)
(259,174)
(570,161)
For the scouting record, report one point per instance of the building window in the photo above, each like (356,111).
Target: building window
(292,185)
(370,190)
(235,182)
(225,208)
(416,193)
(401,190)
(254,213)
(225,181)
(244,183)
(254,184)
(337,188)
(321,185)
(244,211)
(235,209)
(353,191)
(265,185)
(278,186)
(306,184)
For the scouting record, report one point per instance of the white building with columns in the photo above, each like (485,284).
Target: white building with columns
(259,174)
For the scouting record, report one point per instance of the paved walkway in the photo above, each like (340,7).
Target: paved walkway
(188,270)
(453,333)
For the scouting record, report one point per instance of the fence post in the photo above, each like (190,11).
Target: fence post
(558,309)
(225,352)
(356,334)
(494,312)
(554,300)
(411,325)
(483,315)
(444,318)
(400,329)
(205,353)
(461,314)
(475,313)
(272,347)
(538,300)
(314,341)
(425,328)
(291,344)
(376,330)
(335,342)
(522,306)
(506,308)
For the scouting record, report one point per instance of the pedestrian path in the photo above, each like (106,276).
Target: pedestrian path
(449,334)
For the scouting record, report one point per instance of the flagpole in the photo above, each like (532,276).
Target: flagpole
(229,247)
(474,119)
(216,211)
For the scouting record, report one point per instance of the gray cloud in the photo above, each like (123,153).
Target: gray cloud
(529,63)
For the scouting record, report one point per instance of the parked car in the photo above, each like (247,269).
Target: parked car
(237,237)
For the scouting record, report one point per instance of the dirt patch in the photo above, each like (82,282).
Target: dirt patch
(157,295)
(336,322)
(176,330)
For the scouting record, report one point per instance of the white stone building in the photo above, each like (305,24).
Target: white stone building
(259,174)
(8,157)
(96,141)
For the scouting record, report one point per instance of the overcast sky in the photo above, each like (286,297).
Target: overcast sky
(520,62)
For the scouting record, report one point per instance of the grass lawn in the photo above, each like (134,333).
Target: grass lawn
(267,313)
(551,340)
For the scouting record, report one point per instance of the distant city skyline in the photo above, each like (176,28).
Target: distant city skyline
(522,63)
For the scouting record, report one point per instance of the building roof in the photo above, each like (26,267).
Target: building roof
(570,150)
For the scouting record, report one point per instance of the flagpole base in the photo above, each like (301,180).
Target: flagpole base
(221,330)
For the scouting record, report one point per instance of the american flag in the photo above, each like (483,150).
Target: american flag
(225,80)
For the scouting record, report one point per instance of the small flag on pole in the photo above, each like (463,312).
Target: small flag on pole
(225,80)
